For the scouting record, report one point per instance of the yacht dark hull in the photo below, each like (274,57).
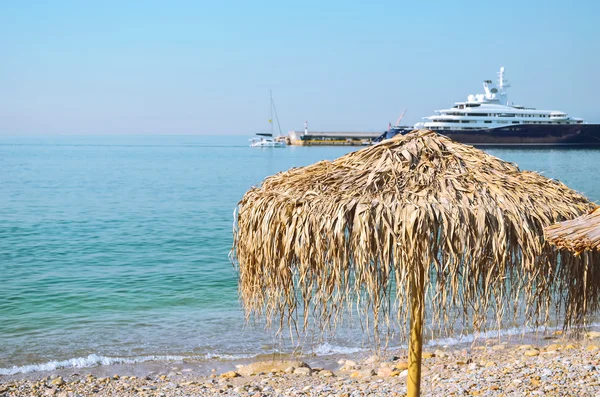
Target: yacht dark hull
(524,134)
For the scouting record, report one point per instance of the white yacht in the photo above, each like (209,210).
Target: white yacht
(489,118)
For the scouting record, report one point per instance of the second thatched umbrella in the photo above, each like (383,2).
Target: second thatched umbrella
(579,234)
(419,216)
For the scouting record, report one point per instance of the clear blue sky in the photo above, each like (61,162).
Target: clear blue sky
(187,67)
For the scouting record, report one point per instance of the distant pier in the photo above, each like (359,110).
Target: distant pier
(333,138)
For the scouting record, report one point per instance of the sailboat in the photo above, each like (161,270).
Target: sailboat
(266,139)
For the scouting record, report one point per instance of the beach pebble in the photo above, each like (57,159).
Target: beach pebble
(593,334)
(326,373)
(365,373)
(302,371)
(401,366)
(440,353)
(501,346)
(58,381)
(553,347)
(546,372)
(532,352)
(384,371)
(229,375)
(371,360)
(269,366)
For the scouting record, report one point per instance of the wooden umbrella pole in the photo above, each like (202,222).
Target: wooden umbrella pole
(415,345)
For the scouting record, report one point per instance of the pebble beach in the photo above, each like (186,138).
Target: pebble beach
(550,366)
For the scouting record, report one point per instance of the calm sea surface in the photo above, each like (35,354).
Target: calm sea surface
(116,247)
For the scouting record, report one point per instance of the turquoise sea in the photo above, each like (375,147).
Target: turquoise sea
(115,248)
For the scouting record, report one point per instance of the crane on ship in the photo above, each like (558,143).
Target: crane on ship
(400,118)
(390,128)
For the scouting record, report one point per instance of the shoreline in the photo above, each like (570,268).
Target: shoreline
(202,363)
(548,365)
(323,350)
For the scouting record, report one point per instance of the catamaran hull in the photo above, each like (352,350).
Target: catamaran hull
(268,144)
(529,134)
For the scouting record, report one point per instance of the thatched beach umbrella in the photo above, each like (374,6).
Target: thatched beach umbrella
(578,235)
(413,218)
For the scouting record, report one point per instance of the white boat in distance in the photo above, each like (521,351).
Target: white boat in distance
(266,139)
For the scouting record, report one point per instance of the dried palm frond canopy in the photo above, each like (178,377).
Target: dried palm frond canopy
(579,234)
(415,220)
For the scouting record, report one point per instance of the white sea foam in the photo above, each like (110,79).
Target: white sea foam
(326,349)
(92,360)
(469,338)
(228,357)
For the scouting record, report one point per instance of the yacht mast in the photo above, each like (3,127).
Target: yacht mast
(502,84)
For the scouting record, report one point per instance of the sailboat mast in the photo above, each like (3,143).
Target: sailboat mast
(271,110)
(274,110)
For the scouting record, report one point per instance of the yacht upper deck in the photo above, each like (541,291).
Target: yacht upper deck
(491,110)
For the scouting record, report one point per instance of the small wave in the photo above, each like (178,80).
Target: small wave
(227,357)
(326,349)
(470,338)
(92,360)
